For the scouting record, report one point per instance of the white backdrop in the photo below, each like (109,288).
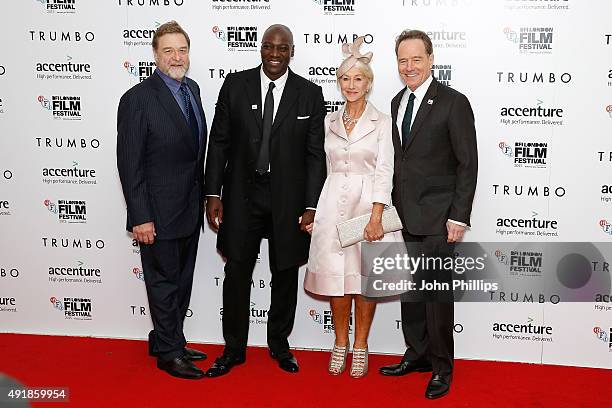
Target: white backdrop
(65,64)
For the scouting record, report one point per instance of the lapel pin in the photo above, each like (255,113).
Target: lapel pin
(430,101)
(254,107)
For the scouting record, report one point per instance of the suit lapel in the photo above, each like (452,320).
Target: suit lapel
(290,95)
(253,90)
(397,143)
(335,124)
(171,106)
(203,131)
(364,126)
(423,111)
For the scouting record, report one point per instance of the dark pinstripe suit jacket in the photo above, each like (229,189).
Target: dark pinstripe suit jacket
(160,167)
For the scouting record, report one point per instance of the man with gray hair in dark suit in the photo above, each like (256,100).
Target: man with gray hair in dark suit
(161,138)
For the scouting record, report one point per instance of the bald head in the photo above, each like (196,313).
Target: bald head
(278,28)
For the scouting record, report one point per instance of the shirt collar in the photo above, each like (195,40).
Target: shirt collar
(420,92)
(171,83)
(279,84)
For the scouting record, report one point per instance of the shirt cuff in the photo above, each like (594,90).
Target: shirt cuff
(310,208)
(213,195)
(463,224)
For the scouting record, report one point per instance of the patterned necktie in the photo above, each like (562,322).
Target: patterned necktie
(407,119)
(263,161)
(191,116)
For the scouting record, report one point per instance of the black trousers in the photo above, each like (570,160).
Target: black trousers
(428,326)
(168,272)
(237,282)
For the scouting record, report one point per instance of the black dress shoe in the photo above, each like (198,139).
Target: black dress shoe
(286,361)
(438,386)
(406,367)
(180,367)
(194,355)
(224,364)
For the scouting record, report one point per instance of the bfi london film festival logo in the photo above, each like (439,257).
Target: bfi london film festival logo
(532,155)
(1,106)
(138,273)
(528,332)
(443,73)
(336,7)
(62,107)
(534,115)
(522,263)
(141,70)
(69,175)
(326,321)
(333,106)
(604,336)
(74,308)
(535,226)
(237,38)
(59,6)
(138,37)
(8,304)
(448,39)
(537,5)
(65,70)
(68,211)
(609,111)
(231,6)
(531,40)
(606,226)
(80,273)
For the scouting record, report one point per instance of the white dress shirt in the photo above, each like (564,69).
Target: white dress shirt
(419,94)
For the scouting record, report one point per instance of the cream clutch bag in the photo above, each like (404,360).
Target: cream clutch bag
(351,231)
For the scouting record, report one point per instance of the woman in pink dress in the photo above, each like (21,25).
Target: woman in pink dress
(359,180)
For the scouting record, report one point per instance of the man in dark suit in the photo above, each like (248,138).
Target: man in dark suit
(264,172)
(436,163)
(161,137)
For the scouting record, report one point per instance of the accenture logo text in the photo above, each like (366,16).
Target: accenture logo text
(531,115)
(533,226)
(68,175)
(63,70)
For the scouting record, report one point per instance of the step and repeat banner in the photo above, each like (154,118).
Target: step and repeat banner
(537,72)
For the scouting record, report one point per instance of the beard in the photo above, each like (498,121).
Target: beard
(177,73)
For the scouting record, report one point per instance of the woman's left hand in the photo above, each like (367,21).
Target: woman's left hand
(373,231)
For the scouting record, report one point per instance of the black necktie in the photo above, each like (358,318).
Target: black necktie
(407,119)
(263,161)
(191,116)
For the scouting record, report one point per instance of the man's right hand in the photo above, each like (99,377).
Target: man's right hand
(214,212)
(144,233)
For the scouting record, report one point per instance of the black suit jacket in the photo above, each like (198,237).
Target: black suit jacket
(160,167)
(435,174)
(297,161)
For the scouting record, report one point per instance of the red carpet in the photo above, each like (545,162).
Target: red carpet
(118,373)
